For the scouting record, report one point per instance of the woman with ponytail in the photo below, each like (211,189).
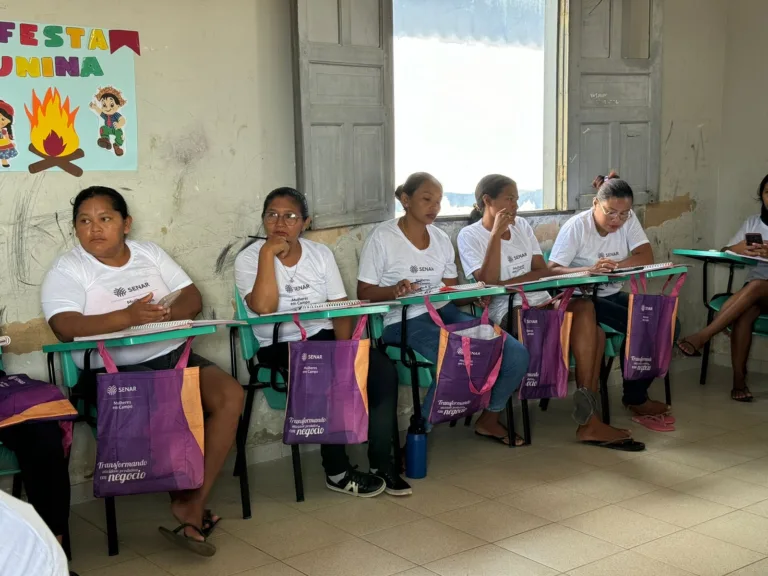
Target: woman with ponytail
(600,240)
(500,248)
(742,309)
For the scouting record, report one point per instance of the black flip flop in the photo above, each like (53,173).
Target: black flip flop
(623,444)
(681,343)
(208,523)
(500,439)
(177,536)
(745,390)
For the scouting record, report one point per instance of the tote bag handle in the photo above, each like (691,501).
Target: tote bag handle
(111,367)
(356,335)
(644,284)
(494,373)
(439,321)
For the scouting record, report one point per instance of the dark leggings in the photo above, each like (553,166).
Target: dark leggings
(44,470)
(612,311)
(382,406)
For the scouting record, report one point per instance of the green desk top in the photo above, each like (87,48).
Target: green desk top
(131,341)
(713,256)
(552,283)
(653,274)
(458,295)
(322,315)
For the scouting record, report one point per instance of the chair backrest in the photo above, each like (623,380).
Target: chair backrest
(248,343)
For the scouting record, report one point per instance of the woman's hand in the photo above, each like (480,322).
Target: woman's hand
(756,250)
(483,301)
(142,311)
(277,246)
(404,287)
(604,266)
(501,222)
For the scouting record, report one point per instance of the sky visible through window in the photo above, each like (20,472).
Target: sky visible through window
(469,95)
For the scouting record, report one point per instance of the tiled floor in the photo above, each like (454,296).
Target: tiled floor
(696,502)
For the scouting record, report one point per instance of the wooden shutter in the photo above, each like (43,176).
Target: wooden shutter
(343,109)
(614,100)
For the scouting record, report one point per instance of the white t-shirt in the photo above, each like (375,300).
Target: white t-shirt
(78,282)
(313,280)
(579,244)
(388,257)
(753,224)
(27,546)
(516,256)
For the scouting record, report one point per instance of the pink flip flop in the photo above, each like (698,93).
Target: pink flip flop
(668,418)
(655,423)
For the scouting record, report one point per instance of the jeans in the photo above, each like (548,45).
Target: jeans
(44,470)
(424,338)
(382,406)
(612,311)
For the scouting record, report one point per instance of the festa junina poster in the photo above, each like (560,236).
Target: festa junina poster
(67,98)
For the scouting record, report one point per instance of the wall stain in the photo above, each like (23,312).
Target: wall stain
(28,336)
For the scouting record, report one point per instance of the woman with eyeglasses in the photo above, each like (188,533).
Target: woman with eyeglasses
(600,240)
(286,271)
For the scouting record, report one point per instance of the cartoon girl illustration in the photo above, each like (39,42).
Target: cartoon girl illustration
(109,101)
(7,147)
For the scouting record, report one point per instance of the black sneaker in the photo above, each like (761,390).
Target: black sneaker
(356,483)
(395,485)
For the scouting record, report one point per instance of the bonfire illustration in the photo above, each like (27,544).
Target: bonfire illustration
(52,135)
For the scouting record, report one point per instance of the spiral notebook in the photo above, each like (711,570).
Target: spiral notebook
(321,307)
(430,291)
(631,270)
(155,328)
(550,279)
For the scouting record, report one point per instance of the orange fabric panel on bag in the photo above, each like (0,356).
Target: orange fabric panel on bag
(629,323)
(442,347)
(565,336)
(46,411)
(192,404)
(362,361)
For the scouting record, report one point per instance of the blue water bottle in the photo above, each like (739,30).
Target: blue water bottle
(416,449)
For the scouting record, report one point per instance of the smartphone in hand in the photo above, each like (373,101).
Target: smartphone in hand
(752,238)
(167,300)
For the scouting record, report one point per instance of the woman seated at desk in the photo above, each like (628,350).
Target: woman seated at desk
(286,271)
(407,253)
(109,283)
(742,309)
(500,248)
(600,240)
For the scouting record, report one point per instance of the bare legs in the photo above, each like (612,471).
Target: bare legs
(588,348)
(222,399)
(753,294)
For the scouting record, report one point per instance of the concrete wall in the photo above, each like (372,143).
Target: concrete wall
(216,134)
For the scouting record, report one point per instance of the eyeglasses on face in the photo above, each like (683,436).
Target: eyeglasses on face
(613,215)
(289,218)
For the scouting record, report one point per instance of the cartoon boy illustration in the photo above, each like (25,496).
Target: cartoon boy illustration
(108,101)
(7,147)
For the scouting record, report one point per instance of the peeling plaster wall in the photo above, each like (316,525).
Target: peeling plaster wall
(216,133)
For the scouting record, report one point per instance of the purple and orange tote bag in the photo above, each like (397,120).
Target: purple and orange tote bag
(149,431)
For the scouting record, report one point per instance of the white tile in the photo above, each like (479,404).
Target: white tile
(129,568)
(675,507)
(416,572)
(724,490)
(761,509)
(628,563)
(656,470)
(488,561)
(559,547)
(740,528)
(89,549)
(698,554)
(552,502)
(702,457)
(619,526)
(423,541)
(349,559)
(491,521)
(276,569)
(608,486)
(232,556)
(431,497)
(361,516)
(292,536)
(493,481)
(742,443)
(756,569)
(755,472)
(548,468)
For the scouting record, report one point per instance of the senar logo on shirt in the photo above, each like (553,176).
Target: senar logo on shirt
(516,257)
(120,291)
(607,254)
(416,269)
(290,289)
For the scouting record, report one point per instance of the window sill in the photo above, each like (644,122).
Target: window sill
(526,214)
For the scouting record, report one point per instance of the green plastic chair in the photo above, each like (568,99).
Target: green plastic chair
(8,464)
(425,374)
